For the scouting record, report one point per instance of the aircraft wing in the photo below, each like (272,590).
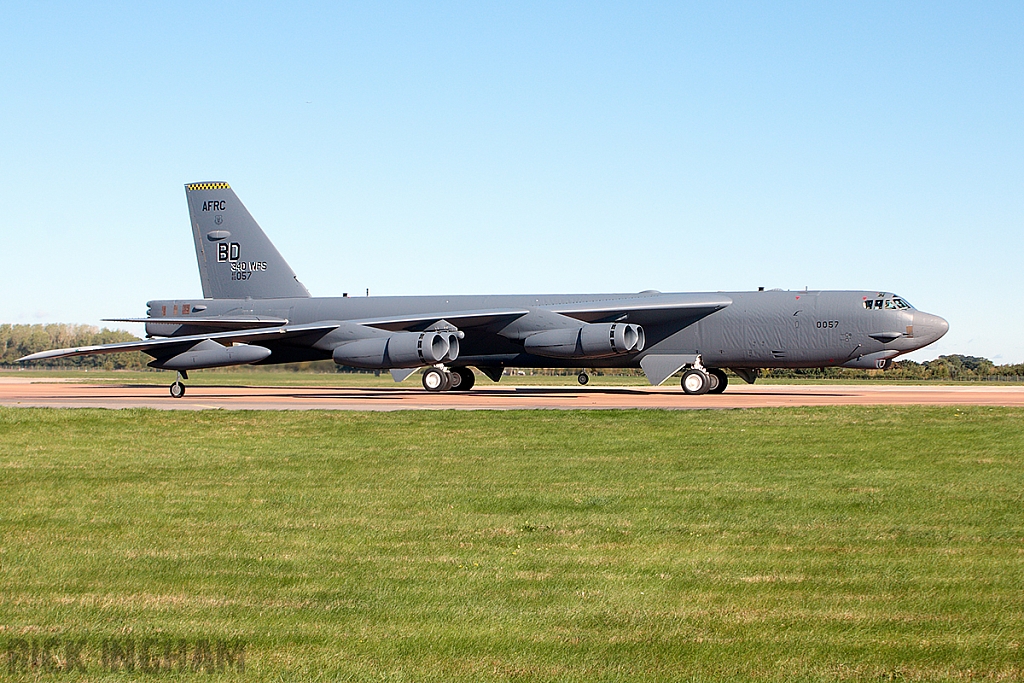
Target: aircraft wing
(264,334)
(645,309)
(641,308)
(460,319)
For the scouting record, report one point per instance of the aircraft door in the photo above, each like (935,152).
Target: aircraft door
(834,328)
(800,325)
(770,334)
(907,323)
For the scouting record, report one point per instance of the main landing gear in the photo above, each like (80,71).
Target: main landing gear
(178,389)
(463,379)
(583,378)
(440,378)
(719,380)
(700,380)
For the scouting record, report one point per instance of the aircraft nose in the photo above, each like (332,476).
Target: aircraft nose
(928,327)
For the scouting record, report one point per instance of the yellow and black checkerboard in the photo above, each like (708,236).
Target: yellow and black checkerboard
(208,186)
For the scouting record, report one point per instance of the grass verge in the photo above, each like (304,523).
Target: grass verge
(790,544)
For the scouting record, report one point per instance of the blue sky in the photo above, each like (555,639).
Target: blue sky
(522,147)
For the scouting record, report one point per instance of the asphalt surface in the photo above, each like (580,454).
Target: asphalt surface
(26,392)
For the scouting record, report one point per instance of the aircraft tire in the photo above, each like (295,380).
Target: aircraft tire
(719,381)
(435,379)
(583,378)
(695,382)
(177,390)
(466,379)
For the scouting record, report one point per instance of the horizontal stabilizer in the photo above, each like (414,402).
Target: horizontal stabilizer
(207,321)
(168,343)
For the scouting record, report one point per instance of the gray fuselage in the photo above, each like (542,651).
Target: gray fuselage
(764,329)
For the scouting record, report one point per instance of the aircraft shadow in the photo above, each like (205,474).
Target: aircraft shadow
(386,393)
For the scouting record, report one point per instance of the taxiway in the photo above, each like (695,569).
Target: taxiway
(65,394)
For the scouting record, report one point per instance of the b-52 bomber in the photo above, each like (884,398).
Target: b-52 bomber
(255,311)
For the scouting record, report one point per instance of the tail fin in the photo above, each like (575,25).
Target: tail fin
(236,260)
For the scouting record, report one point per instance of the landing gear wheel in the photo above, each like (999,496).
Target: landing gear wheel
(463,379)
(719,381)
(435,379)
(177,390)
(454,380)
(695,382)
(583,378)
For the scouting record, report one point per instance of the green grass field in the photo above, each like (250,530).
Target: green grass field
(871,543)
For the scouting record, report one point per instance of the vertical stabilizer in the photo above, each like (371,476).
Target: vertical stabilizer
(236,260)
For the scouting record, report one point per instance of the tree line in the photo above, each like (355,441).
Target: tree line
(21,340)
(952,367)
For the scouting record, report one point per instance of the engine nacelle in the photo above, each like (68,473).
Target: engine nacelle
(453,347)
(594,340)
(210,354)
(398,350)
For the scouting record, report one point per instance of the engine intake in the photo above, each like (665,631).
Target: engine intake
(453,347)
(593,340)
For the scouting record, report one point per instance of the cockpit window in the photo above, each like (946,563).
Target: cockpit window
(894,304)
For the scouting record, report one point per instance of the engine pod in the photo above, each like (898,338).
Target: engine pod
(398,350)
(210,354)
(554,343)
(411,349)
(362,353)
(597,340)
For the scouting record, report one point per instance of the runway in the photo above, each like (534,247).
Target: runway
(24,392)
